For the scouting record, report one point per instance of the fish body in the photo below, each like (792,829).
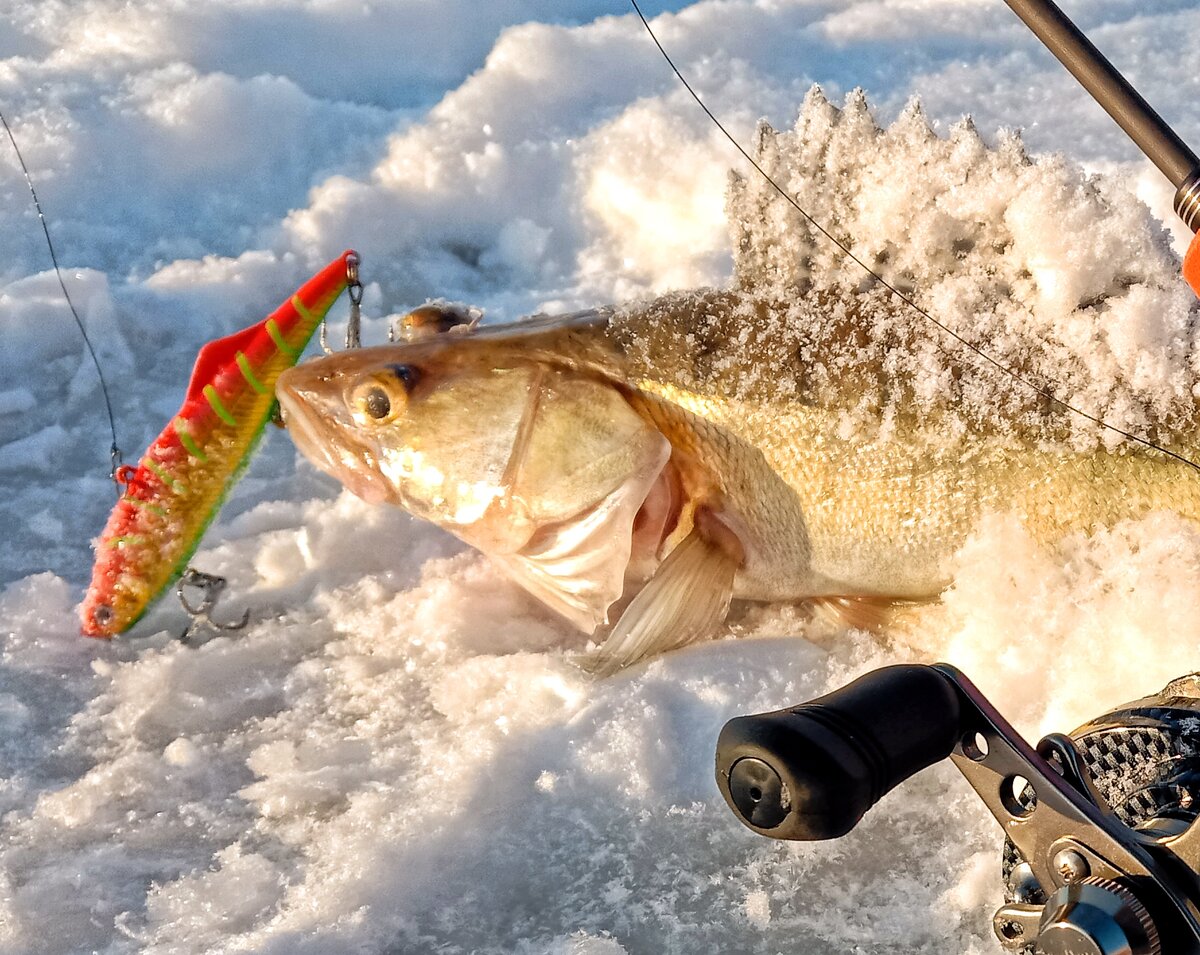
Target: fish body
(650,463)
(883,515)
(179,483)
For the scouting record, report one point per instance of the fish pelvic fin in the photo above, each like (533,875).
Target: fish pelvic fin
(875,614)
(686,600)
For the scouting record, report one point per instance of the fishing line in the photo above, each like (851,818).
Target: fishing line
(114,451)
(1000,366)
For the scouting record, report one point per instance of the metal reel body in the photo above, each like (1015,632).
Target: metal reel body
(1144,762)
(1105,852)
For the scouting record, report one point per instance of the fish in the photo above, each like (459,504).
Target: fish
(638,468)
(177,487)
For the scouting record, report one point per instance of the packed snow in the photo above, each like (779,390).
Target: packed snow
(397,755)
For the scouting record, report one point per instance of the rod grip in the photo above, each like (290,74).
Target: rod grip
(812,771)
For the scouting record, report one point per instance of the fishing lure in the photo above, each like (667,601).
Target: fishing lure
(178,486)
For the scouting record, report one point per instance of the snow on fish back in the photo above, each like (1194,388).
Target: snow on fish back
(1092,309)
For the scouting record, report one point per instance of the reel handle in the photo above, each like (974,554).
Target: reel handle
(810,772)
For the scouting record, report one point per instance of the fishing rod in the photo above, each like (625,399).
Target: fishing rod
(1157,141)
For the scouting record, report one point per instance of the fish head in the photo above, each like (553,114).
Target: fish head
(538,461)
(336,412)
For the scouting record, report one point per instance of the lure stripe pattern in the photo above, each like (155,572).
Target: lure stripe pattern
(183,477)
(188,442)
(248,374)
(214,402)
(277,336)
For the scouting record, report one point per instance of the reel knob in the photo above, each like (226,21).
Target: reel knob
(758,793)
(1096,917)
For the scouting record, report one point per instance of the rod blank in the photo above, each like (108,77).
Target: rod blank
(1109,88)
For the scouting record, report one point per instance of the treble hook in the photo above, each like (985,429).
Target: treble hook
(213,586)
(354,322)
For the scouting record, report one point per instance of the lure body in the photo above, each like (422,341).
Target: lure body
(180,482)
(1191,264)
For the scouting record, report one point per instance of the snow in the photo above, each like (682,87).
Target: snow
(397,755)
(1091,311)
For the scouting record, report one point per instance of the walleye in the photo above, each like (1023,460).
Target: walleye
(651,463)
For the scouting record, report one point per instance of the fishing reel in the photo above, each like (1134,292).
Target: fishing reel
(1102,852)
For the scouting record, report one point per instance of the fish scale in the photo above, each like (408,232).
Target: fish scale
(885,515)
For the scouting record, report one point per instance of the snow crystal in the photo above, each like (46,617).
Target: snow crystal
(1091,311)
(758,908)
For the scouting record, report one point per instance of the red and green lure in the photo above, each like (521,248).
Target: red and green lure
(180,482)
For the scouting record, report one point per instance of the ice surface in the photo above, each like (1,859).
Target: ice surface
(396,756)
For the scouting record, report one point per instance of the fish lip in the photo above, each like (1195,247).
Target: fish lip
(301,423)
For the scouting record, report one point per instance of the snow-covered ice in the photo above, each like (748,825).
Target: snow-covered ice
(397,756)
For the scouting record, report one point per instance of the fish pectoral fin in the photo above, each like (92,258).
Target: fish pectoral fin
(876,614)
(685,600)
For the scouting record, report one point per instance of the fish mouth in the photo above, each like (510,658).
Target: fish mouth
(324,433)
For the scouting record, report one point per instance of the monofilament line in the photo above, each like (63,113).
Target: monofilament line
(1000,366)
(114,451)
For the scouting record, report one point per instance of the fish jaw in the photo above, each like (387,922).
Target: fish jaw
(323,429)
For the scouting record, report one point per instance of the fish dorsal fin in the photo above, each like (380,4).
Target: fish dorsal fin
(217,354)
(577,566)
(686,600)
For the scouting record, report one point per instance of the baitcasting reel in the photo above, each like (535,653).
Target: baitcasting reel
(1102,857)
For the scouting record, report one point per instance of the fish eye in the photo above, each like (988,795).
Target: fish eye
(376,403)
(381,395)
(103,615)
